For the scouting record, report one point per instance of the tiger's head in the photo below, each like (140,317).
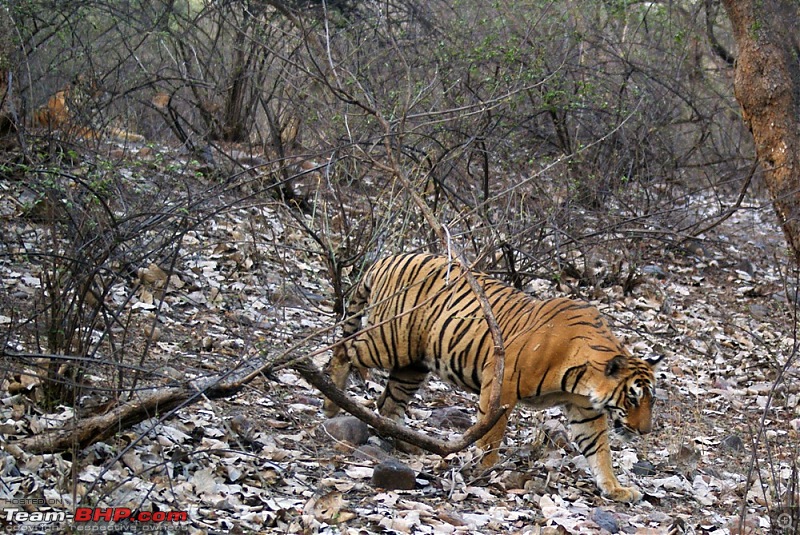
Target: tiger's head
(631,394)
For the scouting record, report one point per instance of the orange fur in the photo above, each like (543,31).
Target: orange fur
(558,352)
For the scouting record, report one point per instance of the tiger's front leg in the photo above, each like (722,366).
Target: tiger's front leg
(590,433)
(339,370)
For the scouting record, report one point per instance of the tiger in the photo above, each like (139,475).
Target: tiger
(422,316)
(61,110)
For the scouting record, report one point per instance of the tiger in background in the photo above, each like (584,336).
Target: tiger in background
(424,317)
(62,112)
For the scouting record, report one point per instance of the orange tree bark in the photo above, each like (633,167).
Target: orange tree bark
(767,86)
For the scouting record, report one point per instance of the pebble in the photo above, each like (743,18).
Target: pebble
(686,454)
(606,520)
(759,312)
(391,474)
(745,266)
(733,443)
(643,468)
(347,429)
(656,271)
(659,517)
(450,417)
(369,452)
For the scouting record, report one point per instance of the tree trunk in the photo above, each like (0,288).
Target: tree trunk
(6,61)
(767,86)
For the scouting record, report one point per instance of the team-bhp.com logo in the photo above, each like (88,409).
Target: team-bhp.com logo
(83,516)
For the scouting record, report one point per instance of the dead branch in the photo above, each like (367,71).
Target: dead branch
(494,409)
(150,403)
(387,427)
(161,402)
(87,431)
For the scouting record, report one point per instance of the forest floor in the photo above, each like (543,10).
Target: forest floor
(248,284)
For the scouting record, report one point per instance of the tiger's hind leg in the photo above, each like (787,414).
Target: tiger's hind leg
(490,442)
(402,385)
(590,432)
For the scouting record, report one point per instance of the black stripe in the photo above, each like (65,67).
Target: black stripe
(589,419)
(541,382)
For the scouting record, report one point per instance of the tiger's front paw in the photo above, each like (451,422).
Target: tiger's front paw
(623,494)
(489,459)
(329,408)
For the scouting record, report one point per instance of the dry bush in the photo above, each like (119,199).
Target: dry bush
(566,140)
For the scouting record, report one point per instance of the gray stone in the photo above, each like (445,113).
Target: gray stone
(686,455)
(746,266)
(659,517)
(758,311)
(606,520)
(391,474)
(382,443)
(347,429)
(733,443)
(369,452)
(654,270)
(643,468)
(450,417)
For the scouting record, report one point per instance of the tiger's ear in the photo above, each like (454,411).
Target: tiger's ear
(616,365)
(654,361)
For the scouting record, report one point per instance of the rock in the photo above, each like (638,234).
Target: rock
(759,312)
(606,520)
(242,426)
(347,429)
(369,452)
(382,443)
(745,266)
(696,247)
(391,474)
(733,443)
(655,271)
(790,296)
(659,517)
(643,468)
(450,417)
(513,479)
(686,454)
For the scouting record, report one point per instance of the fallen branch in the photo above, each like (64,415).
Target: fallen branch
(87,431)
(157,402)
(387,427)
(494,410)
(390,427)
(161,402)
